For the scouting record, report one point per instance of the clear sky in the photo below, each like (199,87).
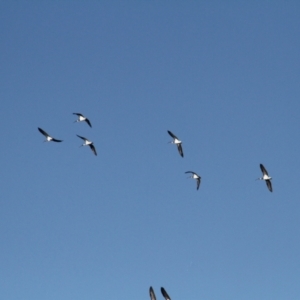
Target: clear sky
(221,75)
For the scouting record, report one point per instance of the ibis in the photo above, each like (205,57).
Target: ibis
(81,118)
(177,142)
(195,176)
(88,143)
(49,138)
(266,177)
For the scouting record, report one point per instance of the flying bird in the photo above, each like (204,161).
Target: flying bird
(177,142)
(82,118)
(88,143)
(152,295)
(48,137)
(266,177)
(165,294)
(195,176)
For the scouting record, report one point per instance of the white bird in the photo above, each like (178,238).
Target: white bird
(266,177)
(48,137)
(88,143)
(177,142)
(165,294)
(195,176)
(152,295)
(82,118)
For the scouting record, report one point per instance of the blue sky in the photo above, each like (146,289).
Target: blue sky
(223,77)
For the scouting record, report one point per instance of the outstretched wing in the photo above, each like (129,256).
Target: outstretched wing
(180,149)
(82,137)
(43,132)
(165,294)
(263,169)
(198,183)
(88,121)
(152,295)
(55,140)
(78,114)
(269,185)
(172,135)
(93,148)
(191,172)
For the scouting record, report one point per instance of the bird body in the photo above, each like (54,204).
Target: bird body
(82,118)
(177,142)
(49,138)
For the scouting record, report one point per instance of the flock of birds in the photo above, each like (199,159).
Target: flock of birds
(175,141)
(87,142)
(178,143)
(195,176)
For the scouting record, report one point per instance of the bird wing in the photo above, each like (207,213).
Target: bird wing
(82,137)
(191,172)
(78,114)
(269,185)
(198,183)
(43,132)
(180,149)
(165,294)
(152,295)
(172,135)
(55,140)
(88,121)
(263,169)
(93,148)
